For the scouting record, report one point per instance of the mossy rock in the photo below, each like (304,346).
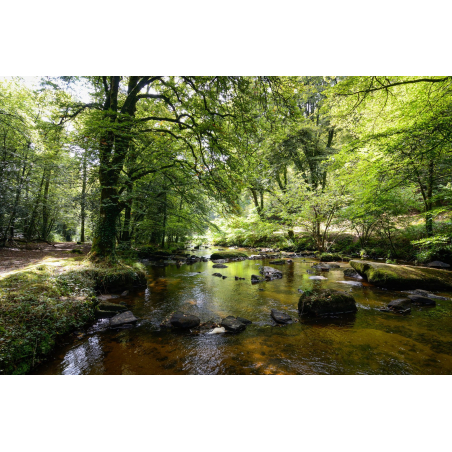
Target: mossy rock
(116,280)
(228,255)
(403,277)
(330,257)
(321,302)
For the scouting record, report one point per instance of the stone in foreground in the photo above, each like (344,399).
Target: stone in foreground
(126,318)
(403,277)
(185,321)
(322,302)
(281,317)
(233,325)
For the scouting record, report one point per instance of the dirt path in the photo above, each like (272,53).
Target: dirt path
(12,259)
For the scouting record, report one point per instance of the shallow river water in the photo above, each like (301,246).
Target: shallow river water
(370,342)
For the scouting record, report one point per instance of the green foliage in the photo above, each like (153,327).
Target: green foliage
(434,248)
(329,257)
(39,305)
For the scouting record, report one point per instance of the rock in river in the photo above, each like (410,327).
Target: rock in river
(220,266)
(402,306)
(403,277)
(321,302)
(352,273)
(270,273)
(281,317)
(233,325)
(422,301)
(185,321)
(125,318)
(255,279)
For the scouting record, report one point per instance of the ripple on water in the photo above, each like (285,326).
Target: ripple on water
(370,342)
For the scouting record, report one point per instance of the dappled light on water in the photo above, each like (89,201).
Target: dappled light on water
(368,342)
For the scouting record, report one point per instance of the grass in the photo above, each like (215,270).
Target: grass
(44,301)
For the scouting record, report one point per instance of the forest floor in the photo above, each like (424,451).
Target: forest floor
(17,258)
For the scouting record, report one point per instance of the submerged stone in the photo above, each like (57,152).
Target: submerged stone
(220,266)
(321,302)
(422,301)
(351,283)
(402,305)
(281,317)
(125,318)
(403,276)
(233,325)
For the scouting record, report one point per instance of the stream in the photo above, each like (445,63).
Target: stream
(370,342)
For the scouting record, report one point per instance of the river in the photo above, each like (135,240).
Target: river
(370,342)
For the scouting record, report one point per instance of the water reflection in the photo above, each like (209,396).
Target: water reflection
(85,358)
(368,342)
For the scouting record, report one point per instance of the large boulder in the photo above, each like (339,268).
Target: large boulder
(403,276)
(281,317)
(232,325)
(270,273)
(184,321)
(321,302)
(126,318)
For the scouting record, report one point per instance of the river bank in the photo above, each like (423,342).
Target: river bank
(47,294)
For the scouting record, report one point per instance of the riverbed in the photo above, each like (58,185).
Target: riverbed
(368,342)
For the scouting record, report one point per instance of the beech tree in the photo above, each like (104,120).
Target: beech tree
(207,116)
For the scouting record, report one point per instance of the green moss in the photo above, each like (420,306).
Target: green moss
(227,255)
(43,302)
(319,302)
(330,257)
(403,276)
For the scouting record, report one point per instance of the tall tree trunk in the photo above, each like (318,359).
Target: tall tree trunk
(164,221)
(45,209)
(83,203)
(429,200)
